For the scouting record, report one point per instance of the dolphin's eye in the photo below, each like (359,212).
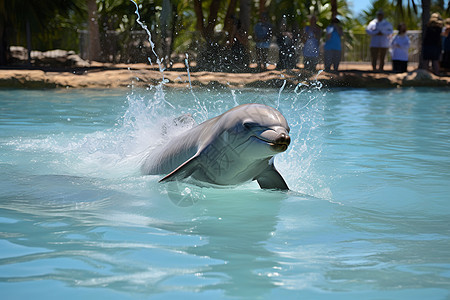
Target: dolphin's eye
(249,125)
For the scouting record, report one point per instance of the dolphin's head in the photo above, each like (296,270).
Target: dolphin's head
(267,125)
(276,137)
(265,129)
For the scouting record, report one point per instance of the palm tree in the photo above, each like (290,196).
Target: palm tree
(16,14)
(3,33)
(245,14)
(208,30)
(334,9)
(94,48)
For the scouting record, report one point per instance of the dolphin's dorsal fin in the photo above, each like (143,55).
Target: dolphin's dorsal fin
(182,171)
(271,179)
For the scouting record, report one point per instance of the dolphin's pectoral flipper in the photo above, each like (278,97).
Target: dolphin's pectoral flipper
(182,171)
(271,179)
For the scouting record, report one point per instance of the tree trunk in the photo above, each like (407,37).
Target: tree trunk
(212,19)
(262,7)
(334,9)
(199,14)
(4,49)
(3,45)
(244,14)
(166,37)
(93,31)
(230,12)
(426,5)
(173,27)
(208,30)
(28,29)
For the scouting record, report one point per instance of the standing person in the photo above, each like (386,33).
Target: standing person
(432,43)
(333,45)
(286,46)
(311,38)
(400,46)
(263,34)
(446,45)
(379,29)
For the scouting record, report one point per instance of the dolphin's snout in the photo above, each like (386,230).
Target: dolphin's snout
(284,139)
(282,142)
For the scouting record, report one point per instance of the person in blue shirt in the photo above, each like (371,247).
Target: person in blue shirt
(263,35)
(311,38)
(332,55)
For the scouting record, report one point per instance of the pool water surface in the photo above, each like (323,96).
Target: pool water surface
(367,217)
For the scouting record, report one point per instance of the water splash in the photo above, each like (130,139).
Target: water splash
(304,109)
(200,107)
(143,119)
(160,92)
(233,93)
(186,62)
(279,93)
(152,45)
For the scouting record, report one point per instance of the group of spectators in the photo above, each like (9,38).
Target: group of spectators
(435,45)
(310,37)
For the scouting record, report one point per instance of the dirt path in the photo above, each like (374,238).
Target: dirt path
(116,76)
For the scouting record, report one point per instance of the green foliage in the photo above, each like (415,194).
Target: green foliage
(185,33)
(57,23)
(296,13)
(395,12)
(370,13)
(50,21)
(440,7)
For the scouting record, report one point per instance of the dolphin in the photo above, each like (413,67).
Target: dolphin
(232,148)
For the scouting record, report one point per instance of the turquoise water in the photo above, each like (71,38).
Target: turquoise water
(368,217)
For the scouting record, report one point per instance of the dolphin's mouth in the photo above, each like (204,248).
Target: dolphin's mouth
(279,145)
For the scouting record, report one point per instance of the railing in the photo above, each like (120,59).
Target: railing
(356,46)
(134,47)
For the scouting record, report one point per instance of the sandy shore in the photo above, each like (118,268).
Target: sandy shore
(142,76)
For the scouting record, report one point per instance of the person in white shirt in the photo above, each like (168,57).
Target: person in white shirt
(400,46)
(379,30)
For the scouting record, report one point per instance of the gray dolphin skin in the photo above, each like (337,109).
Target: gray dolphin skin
(232,148)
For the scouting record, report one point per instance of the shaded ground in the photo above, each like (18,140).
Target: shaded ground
(122,75)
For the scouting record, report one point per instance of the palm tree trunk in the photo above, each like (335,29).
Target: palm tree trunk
(93,31)
(245,14)
(199,14)
(230,12)
(426,5)
(28,29)
(3,32)
(208,30)
(262,7)
(334,9)
(212,18)
(3,45)
(166,20)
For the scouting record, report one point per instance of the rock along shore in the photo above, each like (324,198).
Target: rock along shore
(142,76)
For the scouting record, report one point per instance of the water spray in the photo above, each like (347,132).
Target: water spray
(159,93)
